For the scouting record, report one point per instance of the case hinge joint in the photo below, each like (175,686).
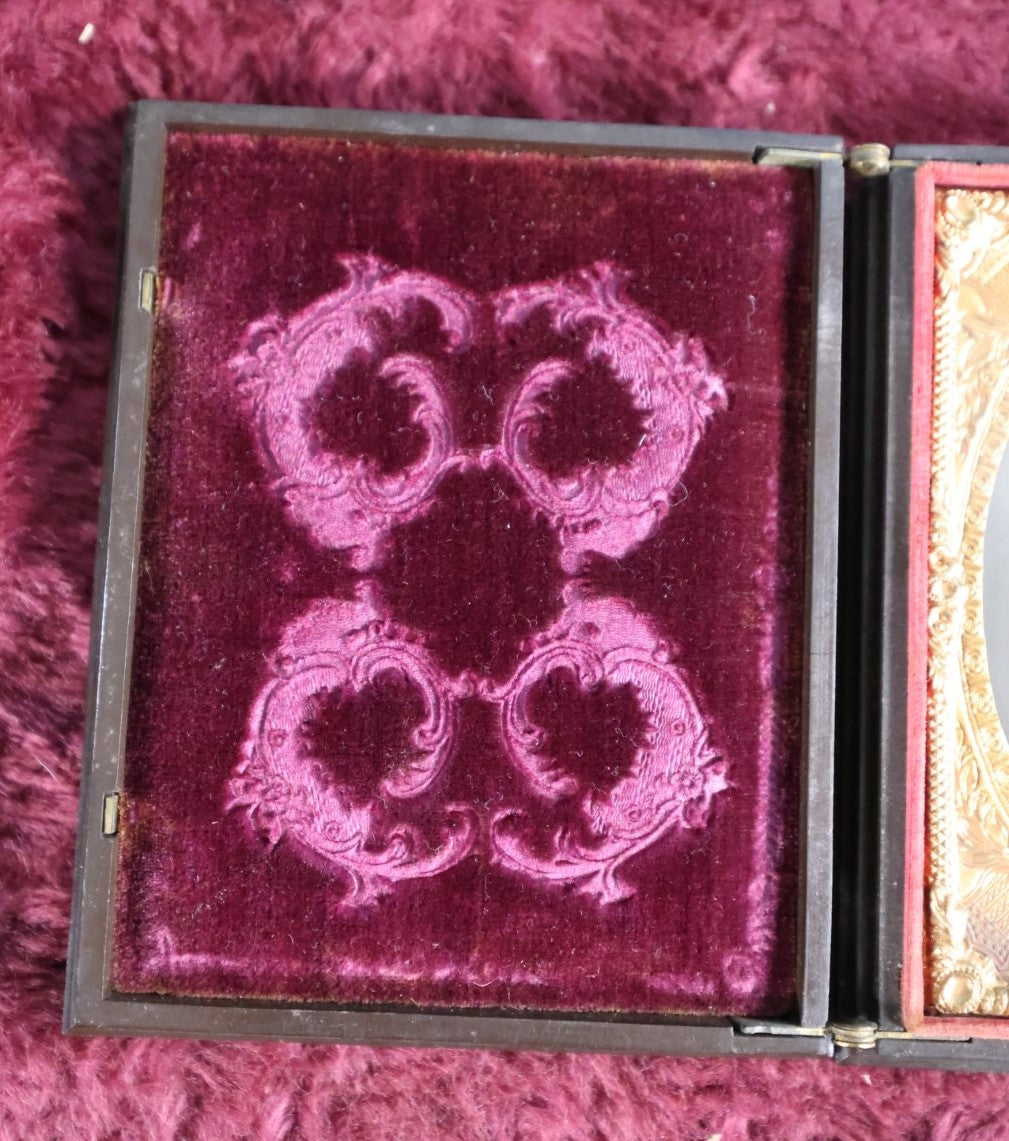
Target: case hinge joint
(869,159)
(110,814)
(862,1035)
(148,299)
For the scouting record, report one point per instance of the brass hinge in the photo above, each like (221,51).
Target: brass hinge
(865,1035)
(869,160)
(110,814)
(148,290)
(873,159)
(844,1035)
(854,1035)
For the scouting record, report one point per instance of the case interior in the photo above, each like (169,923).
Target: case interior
(529,353)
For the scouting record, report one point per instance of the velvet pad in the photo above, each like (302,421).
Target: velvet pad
(468,647)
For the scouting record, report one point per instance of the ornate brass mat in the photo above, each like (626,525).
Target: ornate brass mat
(967,873)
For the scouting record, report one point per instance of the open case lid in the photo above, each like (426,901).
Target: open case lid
(95,1004)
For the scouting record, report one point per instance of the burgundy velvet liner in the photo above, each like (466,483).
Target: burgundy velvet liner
(254,225)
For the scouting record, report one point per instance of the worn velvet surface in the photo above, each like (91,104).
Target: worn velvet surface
(256,227)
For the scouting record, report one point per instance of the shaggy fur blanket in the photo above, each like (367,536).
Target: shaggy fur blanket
(68,69)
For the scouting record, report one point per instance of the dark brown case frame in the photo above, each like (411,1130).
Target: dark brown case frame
(862,992)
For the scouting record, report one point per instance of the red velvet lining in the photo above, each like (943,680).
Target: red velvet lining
(912,977)
(254,226)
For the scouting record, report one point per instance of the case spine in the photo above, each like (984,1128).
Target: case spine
(853,958)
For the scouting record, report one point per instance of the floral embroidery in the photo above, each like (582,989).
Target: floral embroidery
(344,645)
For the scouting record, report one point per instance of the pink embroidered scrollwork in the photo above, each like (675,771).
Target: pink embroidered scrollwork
(342,500)
(288,792)
(610,510)
(671,781)
(348,504)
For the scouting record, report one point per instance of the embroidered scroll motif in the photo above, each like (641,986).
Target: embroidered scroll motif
(346,504)
(287,791)
(671,780)
(342,501)
(611,510)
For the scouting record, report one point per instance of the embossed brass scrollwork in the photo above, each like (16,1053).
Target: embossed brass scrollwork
(967,875)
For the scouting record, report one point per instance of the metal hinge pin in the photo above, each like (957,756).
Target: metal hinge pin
(110,814)
(148,290)
(869,159)
(854,1035)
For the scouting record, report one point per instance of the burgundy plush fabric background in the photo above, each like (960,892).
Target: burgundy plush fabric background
(899,70)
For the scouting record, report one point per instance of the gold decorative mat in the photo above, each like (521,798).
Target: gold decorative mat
(967,875)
